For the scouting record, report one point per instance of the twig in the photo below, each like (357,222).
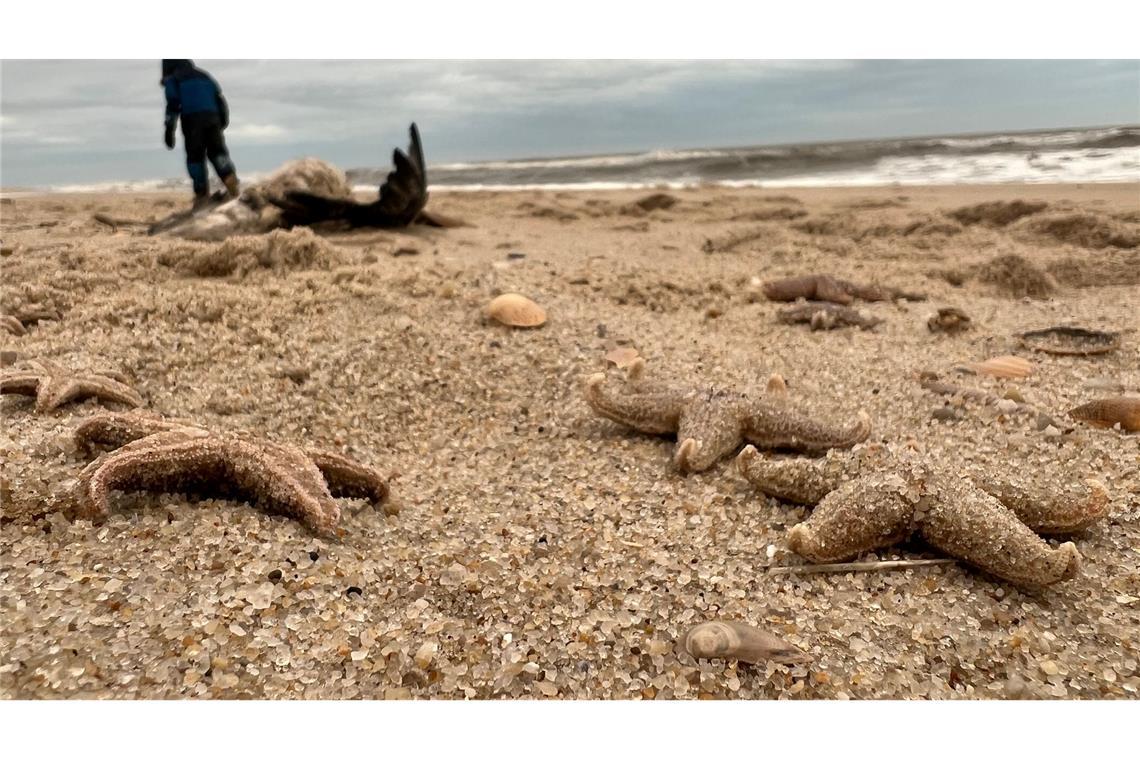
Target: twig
(853,567)
(114,223)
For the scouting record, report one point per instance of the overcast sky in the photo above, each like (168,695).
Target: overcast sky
(85,121)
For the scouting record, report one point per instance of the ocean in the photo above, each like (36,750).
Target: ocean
(1106,154)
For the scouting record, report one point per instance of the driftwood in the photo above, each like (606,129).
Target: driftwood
(822,315)
(115,223)
(402,197)
(824,287)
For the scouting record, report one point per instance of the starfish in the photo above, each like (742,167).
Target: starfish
(711,422)
(159,454)
(873,498)
(822,315)
(824,287)
(53,385)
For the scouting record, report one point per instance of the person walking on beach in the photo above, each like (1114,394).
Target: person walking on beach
(194,95)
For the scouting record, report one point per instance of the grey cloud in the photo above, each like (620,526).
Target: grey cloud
(79,121)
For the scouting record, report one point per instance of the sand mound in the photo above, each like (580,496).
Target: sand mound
(1094,270)
(996,213)
(1085,230)
(1016,276)
(279,250)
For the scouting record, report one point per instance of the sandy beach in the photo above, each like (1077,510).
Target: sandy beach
(541,551)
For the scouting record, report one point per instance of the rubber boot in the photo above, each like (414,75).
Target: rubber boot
(232,186)
(200,201)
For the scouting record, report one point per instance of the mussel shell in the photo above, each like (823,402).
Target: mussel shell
(1070,341)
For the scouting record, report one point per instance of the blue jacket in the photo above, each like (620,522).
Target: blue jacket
(190,90)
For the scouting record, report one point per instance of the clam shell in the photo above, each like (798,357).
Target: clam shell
(622,357)
(731,640)
(1108,412)
(1070,341)
(1004,366)
(516,310)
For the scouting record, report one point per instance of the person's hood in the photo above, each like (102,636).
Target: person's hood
(173,65)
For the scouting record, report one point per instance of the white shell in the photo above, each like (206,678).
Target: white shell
(739,641)
(516,310)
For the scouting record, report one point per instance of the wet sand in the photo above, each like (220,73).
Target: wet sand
(541,551)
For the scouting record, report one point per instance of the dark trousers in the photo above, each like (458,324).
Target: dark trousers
(203,138)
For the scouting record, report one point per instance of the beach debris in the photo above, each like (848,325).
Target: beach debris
(859,567)
(712,422)
(311,192)
(622,357)
(153,454)
(949,319)
(654,202)
(12,325)
(516,310)
(822,315)
(406,250)
(1016,276)
(824,287)
(996,213)
(1110,412)
(730,640)
(875,497)
(53,385)
(1009,367)
(1070,341)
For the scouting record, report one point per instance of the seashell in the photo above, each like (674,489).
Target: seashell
(622,357)
(1004,366)
(1070,341)
(777,386)
(1109,412)
(516,310)
(739,641)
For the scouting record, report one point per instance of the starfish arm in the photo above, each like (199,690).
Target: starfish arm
(22,383)
(650,412)
(801,481)
(828,288)
(116,430)
(348,478)
(860,515)
(283,479)
(770,426)
(279,479)
(59,390)
(973,526)
(163,462)
(12,325)
(1046,510)
(706,432)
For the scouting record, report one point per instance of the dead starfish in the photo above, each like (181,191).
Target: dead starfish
(873,498)
(54,386)
(159,454)
(822,315)
(824,287)
(711,423)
